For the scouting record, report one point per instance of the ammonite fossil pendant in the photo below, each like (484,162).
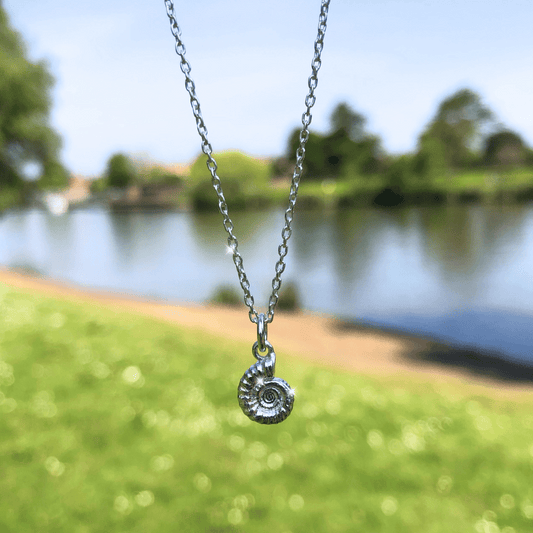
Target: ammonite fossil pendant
(262,397)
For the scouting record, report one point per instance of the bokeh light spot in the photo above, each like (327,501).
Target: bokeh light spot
(527,509)
(389,506)
(161,463)
(144,498)
(296,502)
(149,419)
(333,406)
(54,466)
(444,484)
(374,438)
(9,405)
(253,467)
(132,375)
(234,516)
(285,439)
(100,370)
(258,449)
(7,377)
(43,404)
(202,482)
(507,501)
(483,423)
(275,461)
(122,505)
(236,443)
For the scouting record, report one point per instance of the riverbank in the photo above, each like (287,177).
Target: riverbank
(321,340)
(123,414)
(179,192)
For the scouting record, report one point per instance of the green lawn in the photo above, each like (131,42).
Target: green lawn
(114,422)
(486,181)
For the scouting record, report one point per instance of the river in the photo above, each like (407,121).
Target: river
(460,274)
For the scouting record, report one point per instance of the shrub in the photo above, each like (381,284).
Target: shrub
(289,298)
(242,177)
(98,185)
(54,176)
(233,166)
(204,198)
(120,171)
(282,167)
(160,175)
(227,295)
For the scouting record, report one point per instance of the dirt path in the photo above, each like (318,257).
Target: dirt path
(312,337)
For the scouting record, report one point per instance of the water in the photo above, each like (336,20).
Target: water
(461,274)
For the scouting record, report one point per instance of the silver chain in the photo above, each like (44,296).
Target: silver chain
(212,165)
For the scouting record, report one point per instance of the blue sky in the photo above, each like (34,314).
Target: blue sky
(119,87)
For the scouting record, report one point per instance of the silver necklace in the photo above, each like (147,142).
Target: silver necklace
(262,397)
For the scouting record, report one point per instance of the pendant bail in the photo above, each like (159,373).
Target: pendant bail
(262,342)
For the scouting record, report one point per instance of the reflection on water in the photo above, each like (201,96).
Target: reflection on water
(462,273)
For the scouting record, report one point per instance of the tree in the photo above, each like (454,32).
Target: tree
(345,119)
(25,134)
(244,180)
(505,148)
(347,149)
(315,162)
(460,124)
(54,175)
(430,160)
(120,171)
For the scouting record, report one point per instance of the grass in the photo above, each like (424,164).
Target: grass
(355,191)
(114,422)
(486,181)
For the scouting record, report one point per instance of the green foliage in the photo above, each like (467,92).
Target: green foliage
(99,185)
(204,198)
(25,134)
(336,149)
(54,176)
(458,126)
(233,166)
(282,168)
(159,175)
(243,178)
(430,160)
(289,298)
(505,148)
(399,172)
(113,422)
(346,150)
(345,119)
(336,155)
(120,171)
(464,109)
(227,295)
(10,197)
(528,157)
(316,164)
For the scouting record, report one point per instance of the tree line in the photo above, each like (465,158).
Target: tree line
(464,134)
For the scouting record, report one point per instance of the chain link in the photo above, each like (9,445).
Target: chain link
(212,165)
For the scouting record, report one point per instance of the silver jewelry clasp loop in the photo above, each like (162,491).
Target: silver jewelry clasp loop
(262,332)
(269,351)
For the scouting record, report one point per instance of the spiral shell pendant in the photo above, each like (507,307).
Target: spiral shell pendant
(262,397)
